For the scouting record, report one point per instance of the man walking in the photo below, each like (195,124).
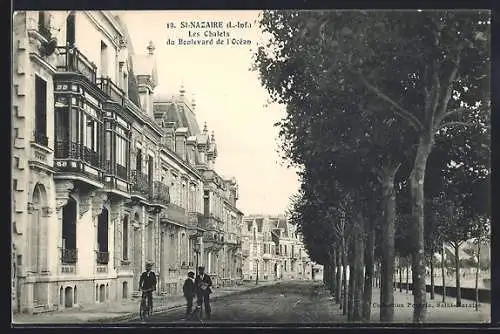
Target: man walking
(203,285)
(189,293)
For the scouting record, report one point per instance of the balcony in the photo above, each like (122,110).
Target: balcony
(102,257)
(69,256)
(140,182)
(121,172)
(72,60)
(115,93)
(161,193)
(176,214)
(71,150)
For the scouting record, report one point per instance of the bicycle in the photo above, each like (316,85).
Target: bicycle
(145,310)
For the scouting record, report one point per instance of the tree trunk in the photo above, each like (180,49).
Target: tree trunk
(400,269)
(352,285)
(369,268)
(344,277)
(477,271)
(338,278)
(387,263)
(416,181)
(332,272)
(407,278)
(432,276)
(457,273)
(359,263)
(443,273)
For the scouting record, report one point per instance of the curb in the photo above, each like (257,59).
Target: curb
(135,315)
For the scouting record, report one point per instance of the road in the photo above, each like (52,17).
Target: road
(306,302)
(296,302)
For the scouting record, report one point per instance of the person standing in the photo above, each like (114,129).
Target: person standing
(189,293)
(203,285)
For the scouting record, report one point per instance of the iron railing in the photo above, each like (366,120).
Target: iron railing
(73,60)
(114,92)
(140,182)
(102,257)
(90,156)
(177,213)
(161,193)
(65,149)
(121,172)
(69,256)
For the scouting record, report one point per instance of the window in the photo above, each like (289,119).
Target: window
(125,238)
(44,24)
(104,60)
(41,111)
(138,160)
(121,147)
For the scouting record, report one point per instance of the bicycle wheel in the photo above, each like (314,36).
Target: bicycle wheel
(141,311)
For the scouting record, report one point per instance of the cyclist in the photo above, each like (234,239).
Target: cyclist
(147,284)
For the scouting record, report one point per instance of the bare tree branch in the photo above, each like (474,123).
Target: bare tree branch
(449,87)
(403,113)
(449,124)
(448,114)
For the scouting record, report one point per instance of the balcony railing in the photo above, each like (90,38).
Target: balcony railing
(72,60)
(121,172)
(73,150)
(177,213)
(69,256)
(139,182)
(114,92)
(102,257)
(161,193)
(90,156)
(41,138)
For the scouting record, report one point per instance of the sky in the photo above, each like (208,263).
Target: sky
(229,97)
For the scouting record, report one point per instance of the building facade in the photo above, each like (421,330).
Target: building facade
(101,182)
(273,250)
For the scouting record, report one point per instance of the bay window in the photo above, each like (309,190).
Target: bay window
(78,124)
(117,146)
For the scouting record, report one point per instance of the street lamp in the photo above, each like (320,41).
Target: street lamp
(197,247)
(257,276)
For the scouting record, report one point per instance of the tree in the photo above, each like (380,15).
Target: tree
(326,65)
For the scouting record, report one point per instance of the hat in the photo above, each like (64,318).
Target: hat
(201,268)
(149,263)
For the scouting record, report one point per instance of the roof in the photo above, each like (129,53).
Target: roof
(146,65)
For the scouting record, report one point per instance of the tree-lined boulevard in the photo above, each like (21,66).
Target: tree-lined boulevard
(388,121)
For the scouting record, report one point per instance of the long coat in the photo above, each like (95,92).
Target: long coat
(207,280)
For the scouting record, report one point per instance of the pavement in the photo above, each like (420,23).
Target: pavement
(117,311)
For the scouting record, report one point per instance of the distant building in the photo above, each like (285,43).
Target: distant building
(273,250)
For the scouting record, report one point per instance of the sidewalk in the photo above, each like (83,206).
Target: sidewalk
(122,310)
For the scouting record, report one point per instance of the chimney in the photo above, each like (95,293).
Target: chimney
(180,142)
